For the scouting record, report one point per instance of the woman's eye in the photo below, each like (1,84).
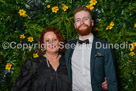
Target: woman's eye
(54,39)
(47,40)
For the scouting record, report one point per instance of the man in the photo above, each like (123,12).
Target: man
(88,64)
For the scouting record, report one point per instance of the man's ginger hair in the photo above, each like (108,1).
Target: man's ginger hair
(83,8)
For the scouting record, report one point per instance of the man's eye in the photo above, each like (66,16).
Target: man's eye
(77,20)
(85,18)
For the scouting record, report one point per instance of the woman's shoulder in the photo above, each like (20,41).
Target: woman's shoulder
(25,75)
(34,62)
(62,59)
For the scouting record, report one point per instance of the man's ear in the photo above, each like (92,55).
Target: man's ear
(92,23)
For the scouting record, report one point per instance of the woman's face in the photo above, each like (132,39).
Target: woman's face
(51,42)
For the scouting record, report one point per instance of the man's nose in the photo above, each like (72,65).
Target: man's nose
(82,21)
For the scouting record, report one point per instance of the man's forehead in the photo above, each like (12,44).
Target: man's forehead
(82,14)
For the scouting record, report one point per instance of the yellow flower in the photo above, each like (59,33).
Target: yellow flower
(95,29)
(48,6)
(25,15)
(22,36)
(90,6)
(29,47)
(0,18)
(131,49)
(93,2)
(131,53)
(134,44)
(55,9)
(112,24)
(108,27)
(30,39)
(35,55)
(22,12)
(8,66)
(135,25)
(65,8)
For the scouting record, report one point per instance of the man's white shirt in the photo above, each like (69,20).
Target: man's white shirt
(80,61)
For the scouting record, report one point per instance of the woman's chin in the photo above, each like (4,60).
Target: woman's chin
(53,50)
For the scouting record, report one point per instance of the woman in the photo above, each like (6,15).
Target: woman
(48,72)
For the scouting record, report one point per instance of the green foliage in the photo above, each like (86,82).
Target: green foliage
(12,25)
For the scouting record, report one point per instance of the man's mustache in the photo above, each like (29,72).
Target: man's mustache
(83,25)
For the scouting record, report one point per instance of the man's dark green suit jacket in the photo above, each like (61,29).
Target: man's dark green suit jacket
(101,64)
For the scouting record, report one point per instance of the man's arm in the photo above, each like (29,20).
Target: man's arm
(105,85)
(110,70)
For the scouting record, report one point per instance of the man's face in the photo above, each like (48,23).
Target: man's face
(83,23)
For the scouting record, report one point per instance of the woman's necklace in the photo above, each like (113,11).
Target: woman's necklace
(50,57)
(52,60)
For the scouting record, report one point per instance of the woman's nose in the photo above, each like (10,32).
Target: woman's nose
(52,42)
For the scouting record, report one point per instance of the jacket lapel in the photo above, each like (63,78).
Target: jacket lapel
(69,59)
(71,51)
(93,52)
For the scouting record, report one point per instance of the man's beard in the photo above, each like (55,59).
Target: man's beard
(84,32)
